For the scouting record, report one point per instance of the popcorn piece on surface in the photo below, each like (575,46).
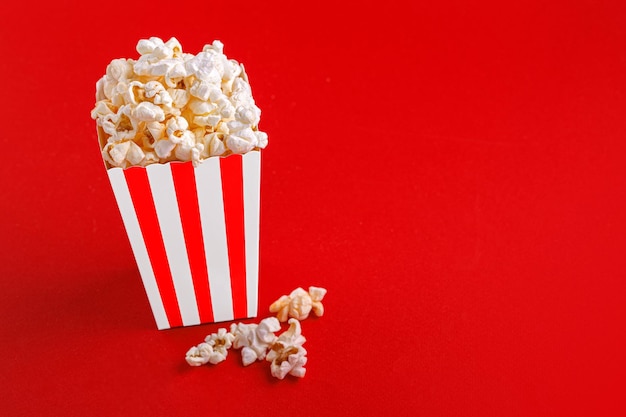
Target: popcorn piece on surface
(245,336)
(287,355)
(317,294)
(156,102)
(299,304)
(220,342)
(213,350)
(199,355)
(254,339)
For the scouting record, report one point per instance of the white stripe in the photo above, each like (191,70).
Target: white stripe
(251,198)
(164,194)
(131,223)
(211,205)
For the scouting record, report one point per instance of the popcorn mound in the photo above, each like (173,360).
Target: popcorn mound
(174,106)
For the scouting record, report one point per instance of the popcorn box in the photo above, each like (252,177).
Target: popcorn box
(194,232)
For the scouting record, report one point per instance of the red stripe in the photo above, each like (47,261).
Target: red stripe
(187,197)
(232,188)
(140,193)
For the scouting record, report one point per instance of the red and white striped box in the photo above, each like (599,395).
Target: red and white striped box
(194,232)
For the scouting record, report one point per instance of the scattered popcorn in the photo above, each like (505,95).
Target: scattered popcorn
(287,356)
(299,304)
(174,106)
(286,353)
(253,339)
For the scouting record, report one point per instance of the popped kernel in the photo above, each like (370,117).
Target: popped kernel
(213,144)
(200,89)
(254,339)
(156,129)
(148,112)
(180,97)
(171,105)
(239,144)
(220,342)
(154,90)
(287,355)
(175,128)
(102,109)
(317,294)
(199,355)
(261,138)
(213,350)
(163,148)
(135,154)
(299,304)
(117,152)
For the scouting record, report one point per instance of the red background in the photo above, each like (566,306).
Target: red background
(454,174)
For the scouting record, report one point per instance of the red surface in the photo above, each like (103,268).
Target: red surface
(454,174)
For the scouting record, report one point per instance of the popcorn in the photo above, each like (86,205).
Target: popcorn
(118,152)
(200,89)
(169,105)
(220,342)
(148,112)
(175,128)
(253,339)
(135,154)
(154,90)
(240,144)
(261,138)
(299,304)
(156,130)
(163,148)
(213,350)
(199,355)
(213,145)
(180,97)
(287,354)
